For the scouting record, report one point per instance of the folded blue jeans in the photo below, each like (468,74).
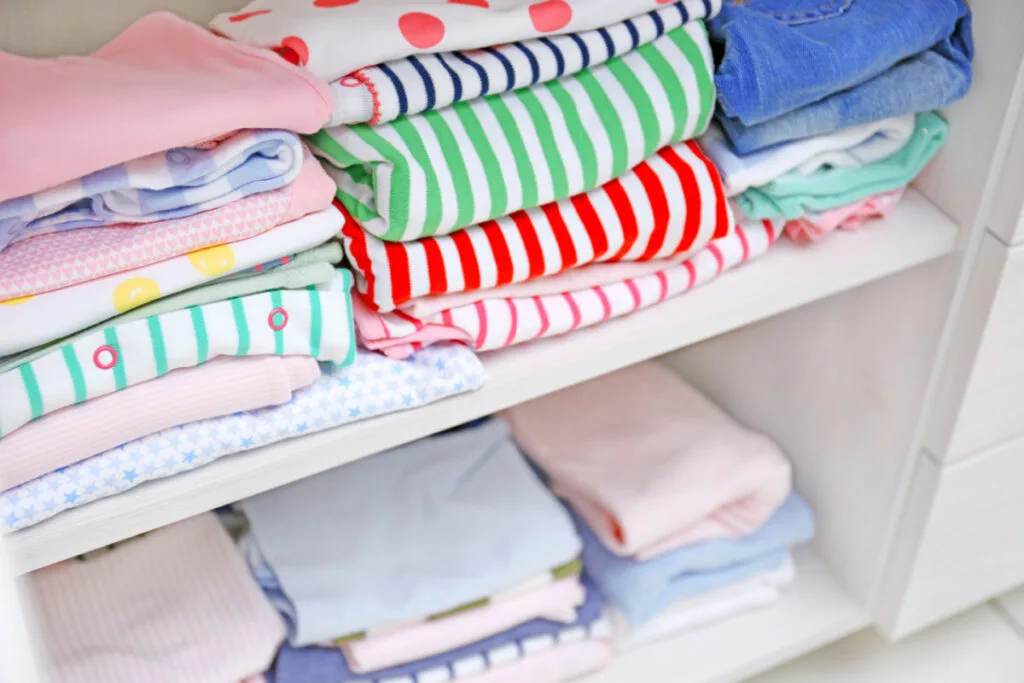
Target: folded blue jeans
(781,55)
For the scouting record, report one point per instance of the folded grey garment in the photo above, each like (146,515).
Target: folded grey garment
(310,267)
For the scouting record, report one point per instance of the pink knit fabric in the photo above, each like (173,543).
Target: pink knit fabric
(650,463)
(814,226)
(62,259)
(219,387)
(162,83)
(556,601)
(564,662)
(175,605)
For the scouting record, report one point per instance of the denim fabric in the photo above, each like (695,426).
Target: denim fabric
(925,82)
(794,194)
(780,55)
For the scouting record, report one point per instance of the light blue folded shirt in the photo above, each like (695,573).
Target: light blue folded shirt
(643,589)
(410,532)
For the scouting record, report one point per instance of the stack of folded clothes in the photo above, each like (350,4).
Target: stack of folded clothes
(686,517)
(174,605)
(832,135)
(167,259)
(515,177)
(445,558)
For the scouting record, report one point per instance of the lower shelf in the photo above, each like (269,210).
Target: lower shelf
(787,277)
(813,612)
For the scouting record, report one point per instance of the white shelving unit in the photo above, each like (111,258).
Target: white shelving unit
(787,277)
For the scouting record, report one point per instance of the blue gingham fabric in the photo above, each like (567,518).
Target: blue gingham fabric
(179,182)
(373,385)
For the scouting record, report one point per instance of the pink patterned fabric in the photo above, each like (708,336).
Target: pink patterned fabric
(496,323)
(814,226)
(62,259)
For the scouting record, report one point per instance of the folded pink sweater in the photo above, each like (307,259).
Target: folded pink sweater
(219,387)
(650,463)
(175,605)
(162,83)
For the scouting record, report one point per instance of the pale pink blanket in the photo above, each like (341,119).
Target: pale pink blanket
(556,601)
(219,387)
(563,662)
(62,259)
(175,605)
(493,323)
(650,463)
(814,226)
(162,83)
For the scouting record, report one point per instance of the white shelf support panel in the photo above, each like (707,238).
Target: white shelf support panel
(788,276)
(813,612)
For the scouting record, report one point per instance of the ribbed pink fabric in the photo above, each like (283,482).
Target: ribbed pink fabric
(650,463)
(219,387)
(556,601)
(162,83)
(173,606)
(560,663)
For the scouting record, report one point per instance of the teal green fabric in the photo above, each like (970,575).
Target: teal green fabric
(794,194)
(310,267)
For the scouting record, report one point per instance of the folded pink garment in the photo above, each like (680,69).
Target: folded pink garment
(162,83)
(219,387)
(62,259)
(177,604)
(814,226)
(556,601)
(650,463)
(564,662)
(489,324)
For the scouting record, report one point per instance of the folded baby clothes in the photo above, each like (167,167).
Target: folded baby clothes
(780,56)
(325,665)
(371,386)
(411,85)
(850,147)
(814,226)
(437,172)
(556,601)
(36,320)
(220,387)
(563,662)
(795,193)
(416,530)
(174,605)
(694,475)
(51,261)
(162,186)
(311,267)
(704,609)
(314,322)
(163,83)
(672,203)
(313,34)
(489,323)
(642,589)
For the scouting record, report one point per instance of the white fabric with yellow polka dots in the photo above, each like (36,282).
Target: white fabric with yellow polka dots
(316,321)
(31,321)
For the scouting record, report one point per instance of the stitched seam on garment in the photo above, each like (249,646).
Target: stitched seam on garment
(829,9)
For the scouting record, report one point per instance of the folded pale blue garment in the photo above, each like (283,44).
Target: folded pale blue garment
(373,385)
(328,665)
(643,589)
(782,55)
(417,530)
(173,184)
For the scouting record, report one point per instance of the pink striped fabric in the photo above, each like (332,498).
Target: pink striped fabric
(175,605)
(496,323)
(62,259)
(672,203)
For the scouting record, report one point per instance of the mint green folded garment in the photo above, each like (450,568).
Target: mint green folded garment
(794,194)
(311,267)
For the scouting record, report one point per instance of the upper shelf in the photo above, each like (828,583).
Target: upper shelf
(787,277)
